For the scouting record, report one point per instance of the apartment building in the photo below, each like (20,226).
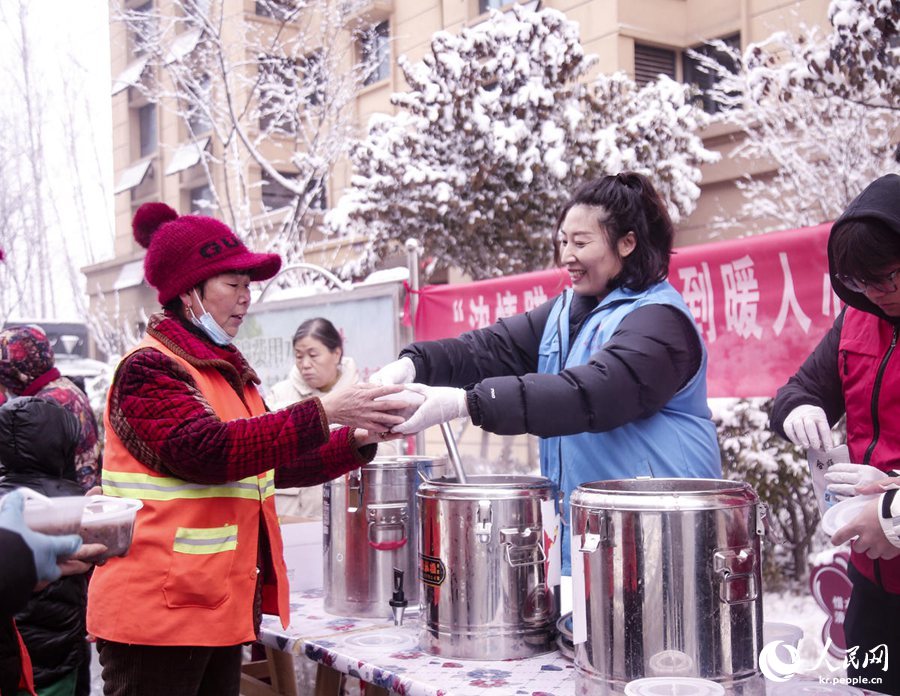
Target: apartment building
(157,153)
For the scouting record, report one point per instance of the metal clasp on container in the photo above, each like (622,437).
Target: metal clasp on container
(764,527)
(483,521)
(354,490)
(523,546)
(737,568)
(385,516)
(600,532)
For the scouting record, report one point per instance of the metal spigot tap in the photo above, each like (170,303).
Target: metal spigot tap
(398,600)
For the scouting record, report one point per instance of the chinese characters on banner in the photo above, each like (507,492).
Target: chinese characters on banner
(762,304)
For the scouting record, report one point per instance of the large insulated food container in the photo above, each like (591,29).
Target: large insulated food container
(369,528)
(489,565)
(670,574)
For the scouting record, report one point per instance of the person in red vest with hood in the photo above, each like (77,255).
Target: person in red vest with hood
(855,370)
(188,434)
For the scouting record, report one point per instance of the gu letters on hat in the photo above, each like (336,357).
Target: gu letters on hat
(185,250)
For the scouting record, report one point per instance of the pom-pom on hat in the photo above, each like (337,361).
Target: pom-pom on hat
(183,251)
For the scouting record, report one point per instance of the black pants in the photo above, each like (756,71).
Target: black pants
(151,670)
(872,626)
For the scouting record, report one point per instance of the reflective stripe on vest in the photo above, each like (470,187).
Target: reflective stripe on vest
(149,487)
(206,541)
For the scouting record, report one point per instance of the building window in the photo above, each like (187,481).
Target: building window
(141,28)
(274,194)
(275,9)
(200,200)
(696,75)
(277,84)
(485,5)
(375,53)
(652,61)
(313,81)
(316,194)
(147,129)
(199,101)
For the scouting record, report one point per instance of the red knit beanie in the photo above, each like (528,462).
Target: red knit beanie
(184,251)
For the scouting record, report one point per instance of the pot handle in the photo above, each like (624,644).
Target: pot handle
(382,517)
(737,568)
(525,545)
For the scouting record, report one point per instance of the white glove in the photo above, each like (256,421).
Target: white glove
(844,478)
(398,372)
(441,404)
(413,400)
(807,426)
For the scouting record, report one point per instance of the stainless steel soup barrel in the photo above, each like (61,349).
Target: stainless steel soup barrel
(370,527)
(671,574)
(485,564)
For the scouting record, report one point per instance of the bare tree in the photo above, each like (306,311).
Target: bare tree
(279,96)
(45,216)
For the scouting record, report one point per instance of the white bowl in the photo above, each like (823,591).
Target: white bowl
(843,513)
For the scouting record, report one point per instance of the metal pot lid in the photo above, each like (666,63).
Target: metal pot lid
(664,494)
(485,486)
(406,461)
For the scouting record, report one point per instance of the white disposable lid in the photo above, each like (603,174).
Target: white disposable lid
(104,508)
(670,663)
(673,686)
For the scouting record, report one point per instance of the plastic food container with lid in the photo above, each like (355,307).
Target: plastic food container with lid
(109,521)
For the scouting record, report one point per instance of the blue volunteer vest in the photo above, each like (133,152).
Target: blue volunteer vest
(679,441)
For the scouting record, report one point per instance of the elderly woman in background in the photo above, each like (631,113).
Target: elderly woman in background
(320,366)
(189,435)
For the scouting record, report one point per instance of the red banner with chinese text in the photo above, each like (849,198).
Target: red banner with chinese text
(762,304)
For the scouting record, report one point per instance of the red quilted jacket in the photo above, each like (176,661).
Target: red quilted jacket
(165,423)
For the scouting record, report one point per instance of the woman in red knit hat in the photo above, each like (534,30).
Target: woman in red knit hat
(188,434)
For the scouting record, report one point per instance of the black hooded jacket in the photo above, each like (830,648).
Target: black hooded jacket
(818,381)
(37,444)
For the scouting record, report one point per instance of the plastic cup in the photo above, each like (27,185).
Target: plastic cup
(109,521)
(673,686)
(789,634)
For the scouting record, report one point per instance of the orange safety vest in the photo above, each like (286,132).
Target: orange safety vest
(190,575)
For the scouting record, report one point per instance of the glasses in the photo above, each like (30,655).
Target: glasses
(886,283)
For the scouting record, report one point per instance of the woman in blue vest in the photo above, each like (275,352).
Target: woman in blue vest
(611,374)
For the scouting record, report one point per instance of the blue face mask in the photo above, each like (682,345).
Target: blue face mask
(209,326)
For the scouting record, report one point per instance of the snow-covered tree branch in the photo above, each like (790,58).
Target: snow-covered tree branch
(276,96)
(823,111)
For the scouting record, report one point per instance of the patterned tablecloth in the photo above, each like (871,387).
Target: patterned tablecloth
(379,653)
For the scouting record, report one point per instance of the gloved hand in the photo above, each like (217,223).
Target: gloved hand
(48,550)
(441,404)
(398,372)
(807,426)
(844,478)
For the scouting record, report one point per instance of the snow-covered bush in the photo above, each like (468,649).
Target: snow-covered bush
(499,124)
(779,474)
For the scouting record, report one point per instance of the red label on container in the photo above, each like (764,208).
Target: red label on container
(431,570)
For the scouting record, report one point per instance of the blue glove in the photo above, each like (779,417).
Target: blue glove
(45,548)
